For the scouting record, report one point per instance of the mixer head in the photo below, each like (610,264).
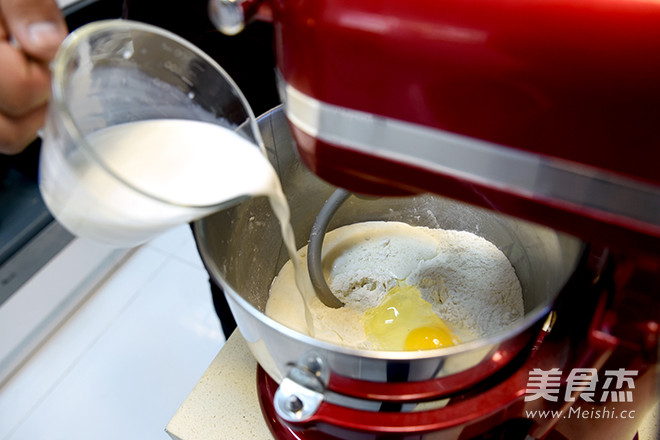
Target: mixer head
(546,111)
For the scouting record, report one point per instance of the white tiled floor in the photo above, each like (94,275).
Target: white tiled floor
(124,362)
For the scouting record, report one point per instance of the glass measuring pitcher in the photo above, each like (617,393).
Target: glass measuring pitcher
(132,140)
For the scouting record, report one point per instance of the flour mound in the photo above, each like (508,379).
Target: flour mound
(468,281)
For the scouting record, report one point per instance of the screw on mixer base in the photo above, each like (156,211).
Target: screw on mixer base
(295,403)
(301,393)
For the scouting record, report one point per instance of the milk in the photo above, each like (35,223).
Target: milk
(152,175)
(156,174)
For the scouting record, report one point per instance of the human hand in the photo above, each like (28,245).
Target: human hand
(30,33)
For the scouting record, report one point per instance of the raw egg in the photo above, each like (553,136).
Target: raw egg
(404,321)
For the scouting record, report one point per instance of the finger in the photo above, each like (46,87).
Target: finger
(18,133)
(37,25)
(24,84)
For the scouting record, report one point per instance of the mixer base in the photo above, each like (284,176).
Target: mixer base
(266,388)
(515,429)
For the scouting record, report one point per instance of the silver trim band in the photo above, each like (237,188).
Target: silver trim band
(507,169)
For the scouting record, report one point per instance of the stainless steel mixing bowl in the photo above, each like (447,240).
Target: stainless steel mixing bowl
(243,251)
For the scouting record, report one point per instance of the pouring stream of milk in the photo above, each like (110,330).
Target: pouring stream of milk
(177,171)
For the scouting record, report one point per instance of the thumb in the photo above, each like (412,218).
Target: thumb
(37,25)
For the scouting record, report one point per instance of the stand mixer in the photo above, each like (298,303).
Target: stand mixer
(544,111)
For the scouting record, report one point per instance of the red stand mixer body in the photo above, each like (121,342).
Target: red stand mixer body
(544,110)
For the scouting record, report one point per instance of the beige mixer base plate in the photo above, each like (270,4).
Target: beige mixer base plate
(224,403)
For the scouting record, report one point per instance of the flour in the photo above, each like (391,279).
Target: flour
(470,283)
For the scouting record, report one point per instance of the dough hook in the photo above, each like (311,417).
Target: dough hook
(316,244)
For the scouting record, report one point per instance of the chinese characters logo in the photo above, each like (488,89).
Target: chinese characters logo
(581,383)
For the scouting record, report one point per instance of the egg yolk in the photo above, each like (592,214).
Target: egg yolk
(426,338)
(404,321)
